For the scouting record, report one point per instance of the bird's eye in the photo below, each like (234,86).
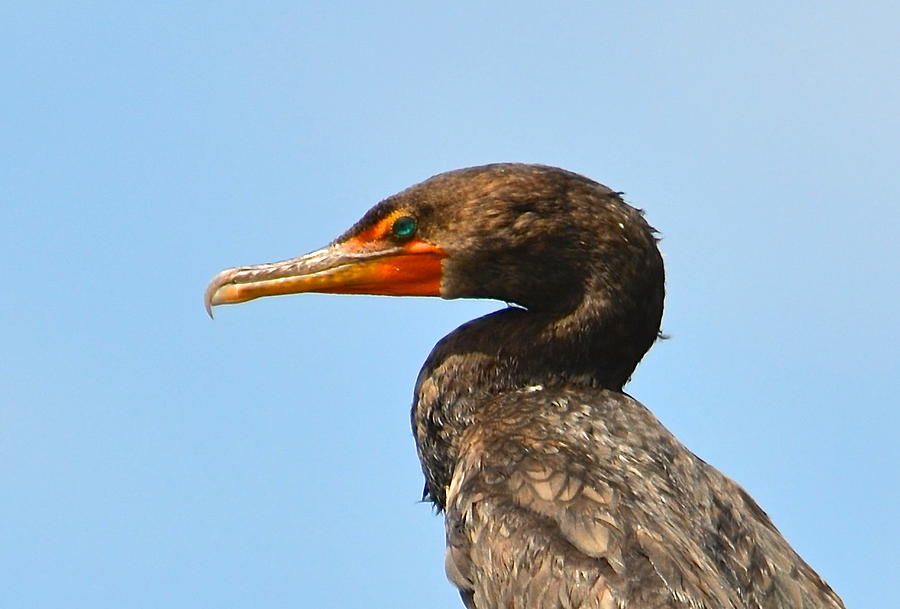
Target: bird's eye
(404,227)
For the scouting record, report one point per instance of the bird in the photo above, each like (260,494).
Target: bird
(558,489)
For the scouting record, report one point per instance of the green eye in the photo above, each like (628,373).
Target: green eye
(404,227)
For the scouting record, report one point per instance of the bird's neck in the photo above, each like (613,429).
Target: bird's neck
(510,350)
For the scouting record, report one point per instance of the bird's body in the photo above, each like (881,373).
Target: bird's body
(559,491)
(581,498)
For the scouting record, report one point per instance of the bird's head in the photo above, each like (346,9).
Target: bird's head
(537,236)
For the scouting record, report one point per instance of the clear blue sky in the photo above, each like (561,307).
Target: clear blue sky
(150,457)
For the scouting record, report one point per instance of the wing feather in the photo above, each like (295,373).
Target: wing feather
(571,507)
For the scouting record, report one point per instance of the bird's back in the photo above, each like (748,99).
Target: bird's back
(580,498)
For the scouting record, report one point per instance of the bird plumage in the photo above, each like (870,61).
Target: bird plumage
(559,491)
(581,498)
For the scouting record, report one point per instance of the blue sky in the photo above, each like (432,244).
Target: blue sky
(151,457)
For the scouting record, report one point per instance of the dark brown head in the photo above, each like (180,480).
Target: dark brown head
(549,240)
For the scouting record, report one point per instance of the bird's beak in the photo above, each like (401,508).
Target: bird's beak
(350,267)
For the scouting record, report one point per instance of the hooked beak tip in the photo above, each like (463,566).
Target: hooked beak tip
(212,297)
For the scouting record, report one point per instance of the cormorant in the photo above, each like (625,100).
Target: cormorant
(559,490)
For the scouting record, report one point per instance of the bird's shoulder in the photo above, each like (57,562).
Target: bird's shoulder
(564,498)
